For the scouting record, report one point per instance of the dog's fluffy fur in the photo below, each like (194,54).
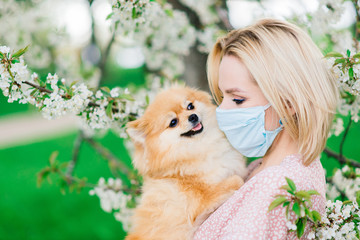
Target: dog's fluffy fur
(189,168)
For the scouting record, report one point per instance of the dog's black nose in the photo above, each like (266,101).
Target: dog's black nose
(193,118)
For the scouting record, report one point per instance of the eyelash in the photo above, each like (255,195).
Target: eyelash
(238,101)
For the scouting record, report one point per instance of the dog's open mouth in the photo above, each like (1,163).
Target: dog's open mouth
(195,130)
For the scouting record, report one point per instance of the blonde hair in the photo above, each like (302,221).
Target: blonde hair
(290,70)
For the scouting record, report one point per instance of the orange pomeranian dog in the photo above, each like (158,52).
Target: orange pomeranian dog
(188,166)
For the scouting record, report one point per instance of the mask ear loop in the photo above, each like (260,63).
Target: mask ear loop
(266,107)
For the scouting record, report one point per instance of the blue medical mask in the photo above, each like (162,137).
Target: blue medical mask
(245,129)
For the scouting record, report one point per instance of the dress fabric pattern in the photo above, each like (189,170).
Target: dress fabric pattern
(245,214)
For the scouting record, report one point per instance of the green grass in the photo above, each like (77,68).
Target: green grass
(28,212)
(10,108)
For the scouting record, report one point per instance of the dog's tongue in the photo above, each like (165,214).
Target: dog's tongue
(197,127)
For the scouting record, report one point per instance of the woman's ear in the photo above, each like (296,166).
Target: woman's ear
(136,131)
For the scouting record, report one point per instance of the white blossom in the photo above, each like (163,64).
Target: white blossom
(344,180)
(337,127)
(205,10)
(335,224)
(164,34)
(328,13)
(113,200)
(290,225)
(4,49)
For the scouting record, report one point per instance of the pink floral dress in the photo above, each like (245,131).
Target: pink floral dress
(245,215)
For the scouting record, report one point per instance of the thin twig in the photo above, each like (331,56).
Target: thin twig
(90,104)
(357,30)
(105,56)
(192,15)
(224,17)
(344,138)
(76,149)
(38,87)
(342,193)
(342,159)
(114,162)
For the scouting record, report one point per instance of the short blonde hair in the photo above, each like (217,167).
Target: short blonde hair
(290,70)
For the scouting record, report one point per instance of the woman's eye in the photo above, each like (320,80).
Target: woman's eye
(173,123)
(238,101)
(190,106)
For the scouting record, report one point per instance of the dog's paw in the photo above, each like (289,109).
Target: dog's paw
(234,182)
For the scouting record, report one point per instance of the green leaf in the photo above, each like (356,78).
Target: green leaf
(33,92)
(348,52)
(1,55)
(357,55)
(316,215)
(53,156)
(351,73)
(309,214)
(339,60)
(277,202)
(169,12)
(291,184)
(20,52)
(109,16)
(303,195)
(313,192)
(301,223)
(63,184)
(286,203)
(73,83)
(296,208)
(64,165)
(357,193)
(333,54)
(127,97)
(105,89)
(134,13)
(15,61)
(108,109)
(63,88)
(285,187)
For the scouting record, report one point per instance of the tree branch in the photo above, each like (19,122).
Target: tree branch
(105,56)
(341,159)
(76,149)
(90,104)
(344,138)
(224,15)
(193,17)
(114,162)
(357,30)
(38,87)
(342,193)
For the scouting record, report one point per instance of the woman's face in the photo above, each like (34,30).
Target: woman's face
(241,91)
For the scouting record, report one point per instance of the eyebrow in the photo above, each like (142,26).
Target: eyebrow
(232,90)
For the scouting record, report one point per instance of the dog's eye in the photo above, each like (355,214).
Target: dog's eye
(173,122)
(190,106)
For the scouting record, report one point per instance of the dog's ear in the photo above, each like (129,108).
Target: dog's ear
(136,131)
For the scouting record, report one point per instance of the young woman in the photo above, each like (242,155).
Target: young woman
(276,101)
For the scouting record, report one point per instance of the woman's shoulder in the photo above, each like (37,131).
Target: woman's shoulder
(305,177)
